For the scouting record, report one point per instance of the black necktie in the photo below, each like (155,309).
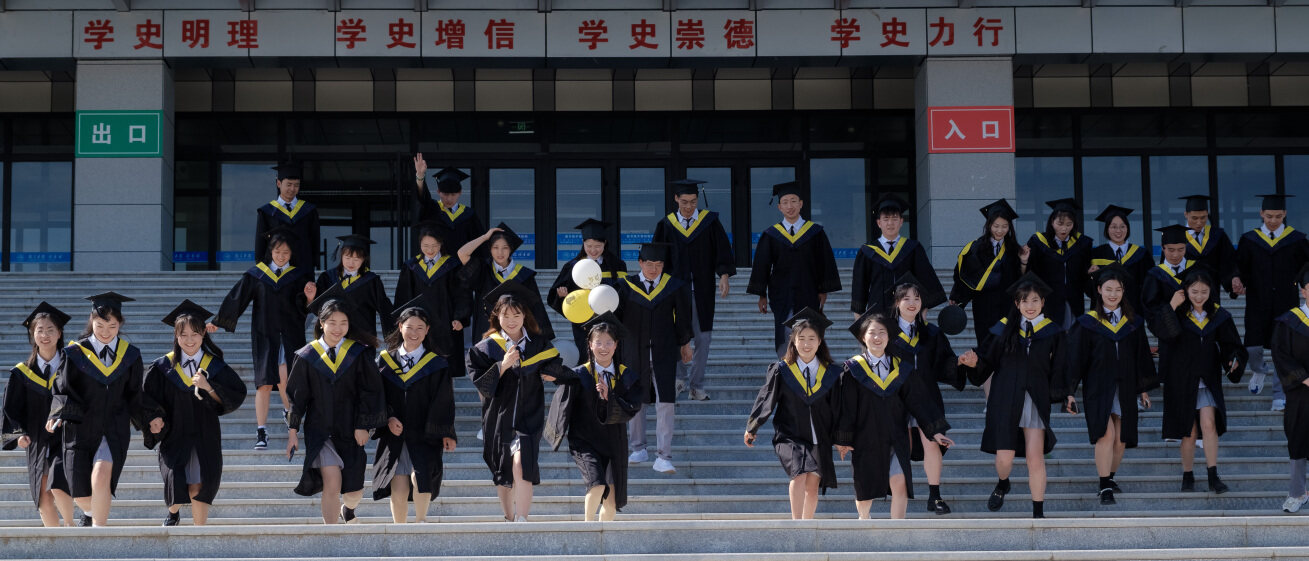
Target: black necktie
(889,246)
(606,376)
(913,330)
(792,229)
(409,362)
(688,223)
(649,286)
(1177,270)
(809,378)
(1118,254)
(277,271)
(289,207)
(1027,329)
(46,372)
(106,354)
(1113,318)
(1196,235)
(331,354)
(1063,244)
(189,365)
(430,262)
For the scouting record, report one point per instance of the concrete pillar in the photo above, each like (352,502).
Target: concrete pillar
(123,207)
(951,187)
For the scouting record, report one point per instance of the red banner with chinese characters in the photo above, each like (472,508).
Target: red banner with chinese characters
(970,129)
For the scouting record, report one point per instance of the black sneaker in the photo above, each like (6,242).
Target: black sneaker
(347,515)
(1188,481)
(261,439)
(1114,485)
(997,496)
(1107,497)
(86,521)
(939,507)
(1217,486)
(174,518)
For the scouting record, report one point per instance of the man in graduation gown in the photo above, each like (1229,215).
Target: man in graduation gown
(1267,259)
(1165,279)
(1209,245)
(702,258)
(1290,345)
(794,266)
(891,256)
(656,309)
(289,211)
(458,222)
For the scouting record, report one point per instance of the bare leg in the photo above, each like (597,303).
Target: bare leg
(1188,449)
(1035,462)
(931,459)
(899,497)
(281,387)
(46,507)
(352,499)
(506,495)
(1210,429)
(863,507)
(64,504)
(811,495)
(522,490)
(331,500)
(422,501)
(399,499)
(1004,463)
(199,510)
(796,491)
(591,504)
(101,479)
(262,396)
(608,508)
(1104,449)
(1119,445)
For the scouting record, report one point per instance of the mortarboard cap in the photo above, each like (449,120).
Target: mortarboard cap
(999,208)
(286,233)
(187,308)
(1112,271)
(356,241)
(811,316)
(907,278)
(431,229)
(1196,202)
(783,189)
(856,328)
(450,180)
(653,251)
(111,300)
(1302,277)
(1274,202)
(515,289)
(1172,234)
(607,318)
(891,203)
(686,187)
(288,170)
(334,292)
(593,229)
(1111,211)
(418,302)
(1029,279)
(1067,205)
(509,236)
(59,318)
(1197,272)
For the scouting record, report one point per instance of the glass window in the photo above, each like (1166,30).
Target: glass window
(1172,177)
(577,197)
(192,231)
(763,210)
(641,205)
(41,230)
(1122,129)
(717,193)
(1039,180)
(1112,180)
(840,202)
(513,201)
(1242,178)
(245,187)
(382,255)
(1296,169)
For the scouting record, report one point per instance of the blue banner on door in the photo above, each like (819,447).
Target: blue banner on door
(845,252)
(573,238)
(636,237)
(40,257)
(236,256)
(190,257)
(524,255)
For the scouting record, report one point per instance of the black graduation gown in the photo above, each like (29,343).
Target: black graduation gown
(701,254)
(1031,368)
(331,401)
(1065,270)
(26,408)
(874,419)
(278,318)
(1136,260)
(1190,352)
(791,271)
(367,298)
(423,400)
(98,402)
(457,225)
(657,327)
(481,277)
(935,362)
(596,428)
(303,221)
(1267,269)
(612,270)
(1291,356)
(981,276)
(514,404)
(447,299)
(1216,251)
(875,273)
(191,425)
(1157,293)
(799,413)
(1102,358)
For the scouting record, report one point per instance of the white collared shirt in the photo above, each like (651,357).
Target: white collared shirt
(505,270)
(345,274)
(1035,321)
(646,282)
(793,226)
(884,362)
(1116,248)
(1274,234)
(1117,314)
(277,270)
(1305,309)
(412,356)
(291,202)
(1177,268)
(685,219)
(53,362)
(322,342)
(432,261)
(199,354)
(996,244)
(904,325)
(599,260)
(1198,313)
(522,344)
(98,347)
(884,241)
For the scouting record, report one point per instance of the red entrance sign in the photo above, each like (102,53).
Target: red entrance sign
(970,129)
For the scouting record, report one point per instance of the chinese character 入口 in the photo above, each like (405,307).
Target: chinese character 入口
(990,129)
(954,130)
(135,134)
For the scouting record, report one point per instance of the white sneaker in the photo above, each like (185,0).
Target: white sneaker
(1199,443)
(480,436)
(1257,381)
(681,387)
(699,395)
(1279,405)
(520,519)
(1140,405)
(664,466)
(1293,504)
(638,457)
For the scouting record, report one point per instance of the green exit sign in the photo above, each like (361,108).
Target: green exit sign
(120,134)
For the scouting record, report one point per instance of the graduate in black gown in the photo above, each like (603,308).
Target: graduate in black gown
(1198,343)
(878,264)
(656,309)
(925,346)
(1290,345)
(508,367)
(289,211)
(336,401)
(1209,245)
(987,266)
(1267,259)
(1061,257)
(1109,355)
(361,288)
(794,267)
(26,408)
(612,270)
(703,259)
(194,387)
(420,417)
(1024,357)
(280,291)
(592,409)
(879,392)
(434,274)
(457,223)
(1136,260)
(800,393)
(97,401)
(1165,279)
(483,274)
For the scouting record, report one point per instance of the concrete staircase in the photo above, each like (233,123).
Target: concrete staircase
(725,499)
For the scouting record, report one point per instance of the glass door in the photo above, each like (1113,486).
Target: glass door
(641,204)
(763,213)
(577,197)
(513,202)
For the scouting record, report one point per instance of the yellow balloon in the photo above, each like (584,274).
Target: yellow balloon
(576,307)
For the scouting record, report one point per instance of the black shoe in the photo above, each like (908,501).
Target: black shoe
(174,518)
(261,439)
(939,507)
(347,515)
(1217,486)
(85,522)
(1114,485)
(1188,481)
(996,499)
(1107,497)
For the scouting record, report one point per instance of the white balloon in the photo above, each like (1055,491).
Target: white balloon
(567,351)
(603,299)
(586,273)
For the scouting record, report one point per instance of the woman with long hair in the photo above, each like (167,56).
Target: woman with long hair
(1061,257)
(361,288)
(987,266)
(595,246)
